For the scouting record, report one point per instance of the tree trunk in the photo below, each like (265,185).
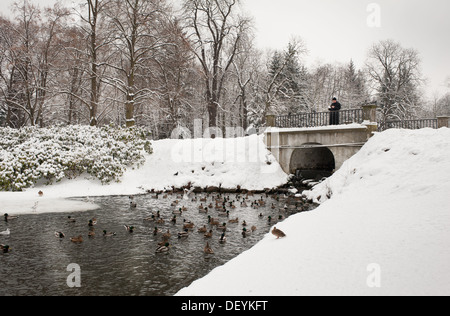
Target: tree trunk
(8,118)
(129,105)
(129,111)
(212,113)
(93,16)
(245,114)
(94,94)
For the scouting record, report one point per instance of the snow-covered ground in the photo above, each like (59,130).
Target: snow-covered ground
(228,163)
(384,231)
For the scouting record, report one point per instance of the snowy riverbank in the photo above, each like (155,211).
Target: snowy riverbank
(229,163)
(385,230)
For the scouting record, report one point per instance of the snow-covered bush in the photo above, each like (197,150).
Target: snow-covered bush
(31,154)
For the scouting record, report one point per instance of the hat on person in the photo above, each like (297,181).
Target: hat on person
(334,99)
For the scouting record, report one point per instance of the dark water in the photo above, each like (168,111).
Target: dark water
(125,264)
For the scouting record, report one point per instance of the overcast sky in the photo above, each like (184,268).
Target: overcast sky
(338,30)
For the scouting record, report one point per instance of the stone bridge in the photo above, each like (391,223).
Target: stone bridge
(324,148)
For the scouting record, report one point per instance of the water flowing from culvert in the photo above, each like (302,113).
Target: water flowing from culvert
(125,264)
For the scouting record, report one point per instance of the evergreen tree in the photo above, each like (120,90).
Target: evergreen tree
(290,80)
(354,87)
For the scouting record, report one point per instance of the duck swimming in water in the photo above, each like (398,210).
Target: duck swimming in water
(224,214)
(183,234)
(5,248)
(234,221)
(167,235)
(213,221)
(77,240)
(222,227)
(150,219)
(223,239)
(160,221)
(7,232)
(163,249)
(7,217)
(208,250)
(179,212)
(156,231)
(106,234)
(188,225)
(59,235)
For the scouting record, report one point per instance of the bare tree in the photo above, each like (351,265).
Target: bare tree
(444,104)
(323,85)
(174,70)
(73,83)
(31,46)
(98,38)
(246,69)
(10,81)
(395,75)
(344,82)
(137,41)
(217,30)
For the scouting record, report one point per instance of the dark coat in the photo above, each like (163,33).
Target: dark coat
(334,113)
(335,107)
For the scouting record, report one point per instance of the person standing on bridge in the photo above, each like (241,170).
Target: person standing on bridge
(334,112)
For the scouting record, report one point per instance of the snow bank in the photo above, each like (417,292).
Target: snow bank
(20,204)
(228,163)
(385,230)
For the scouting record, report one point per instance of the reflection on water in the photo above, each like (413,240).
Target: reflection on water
(125,264)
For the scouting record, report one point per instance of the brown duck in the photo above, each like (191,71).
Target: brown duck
(208,250)
(278,233)
(78,239)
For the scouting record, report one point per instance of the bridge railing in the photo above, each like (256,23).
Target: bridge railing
(318,119)
(368,113)
(408,124)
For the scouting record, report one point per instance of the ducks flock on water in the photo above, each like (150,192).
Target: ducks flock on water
(216,207)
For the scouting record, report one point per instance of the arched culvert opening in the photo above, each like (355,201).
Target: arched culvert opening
(312,162)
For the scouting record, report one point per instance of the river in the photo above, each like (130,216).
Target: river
(126,264)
